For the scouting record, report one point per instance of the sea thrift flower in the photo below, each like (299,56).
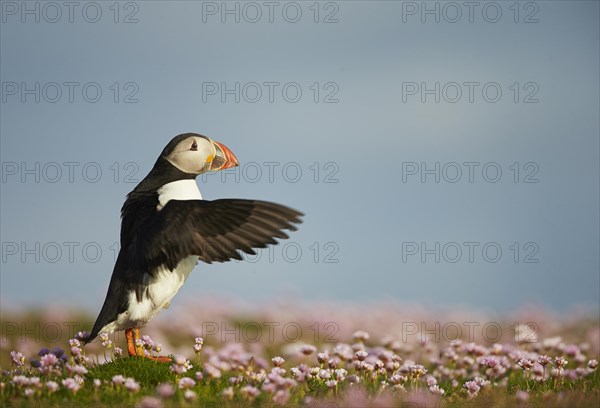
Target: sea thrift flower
(361,355)
(150,402)
(571,350)
(189,395)
(82,335)
(131,385)
(593,364)
(212,371)
(472,388)
(228,393)
(118,380)
(417,370)
(198,342)
(52,386)
(544,360)
(525,364)
(48,363)
(322,357)
(431,381)
(186,382)
(71,385)
(340,374)
(522,396)
(181,365)
(106,343)
(360,336)
(18,359)
(97,383)
(250,392)
(560,362)
(281,397)
(324,374)
(277,361)
(165,390)
(331,383)
(333,362)
(80,370)
(308,349)
(489,362)
(398,379)
(436,390)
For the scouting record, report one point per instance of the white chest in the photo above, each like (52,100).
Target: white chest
(178,190)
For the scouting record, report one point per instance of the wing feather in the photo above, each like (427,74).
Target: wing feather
(215,231)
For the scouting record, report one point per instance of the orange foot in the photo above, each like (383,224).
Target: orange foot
(137,351)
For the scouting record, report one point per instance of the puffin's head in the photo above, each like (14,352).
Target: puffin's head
(197,154)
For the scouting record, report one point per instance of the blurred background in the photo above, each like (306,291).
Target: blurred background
(444,154)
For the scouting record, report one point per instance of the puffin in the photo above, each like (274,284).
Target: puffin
(167,227)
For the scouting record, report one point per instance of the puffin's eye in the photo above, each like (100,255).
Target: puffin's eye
(194,146)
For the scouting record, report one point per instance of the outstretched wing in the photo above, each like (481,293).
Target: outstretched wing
(215,231)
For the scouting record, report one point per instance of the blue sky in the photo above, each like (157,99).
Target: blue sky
(442,163)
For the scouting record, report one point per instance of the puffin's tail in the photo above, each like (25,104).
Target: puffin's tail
(115,303)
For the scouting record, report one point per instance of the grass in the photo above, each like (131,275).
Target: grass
(232,372)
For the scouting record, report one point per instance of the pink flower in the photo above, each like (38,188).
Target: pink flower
(71,385)
(560,362)
(436,390)
(281,397)
(360,336)
(150,402)
(228,393)
(472,388)
(525,363)
(189,395)
(186,382)
(131,385)
(250,392)
(118,379)
(361,355)
(181,365)
(544,360)
(322,357)
(308,349)
(17,358)
(165,390)
(52,386)
(278,361)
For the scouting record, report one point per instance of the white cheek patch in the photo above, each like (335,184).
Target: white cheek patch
(192,161)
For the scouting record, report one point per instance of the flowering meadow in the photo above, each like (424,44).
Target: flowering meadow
(320,354)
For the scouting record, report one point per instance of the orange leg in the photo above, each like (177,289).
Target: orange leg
(130,335)
(134,350)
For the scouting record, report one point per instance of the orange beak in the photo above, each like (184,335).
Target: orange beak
(224,158)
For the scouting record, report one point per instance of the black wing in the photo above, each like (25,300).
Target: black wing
(214,230)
